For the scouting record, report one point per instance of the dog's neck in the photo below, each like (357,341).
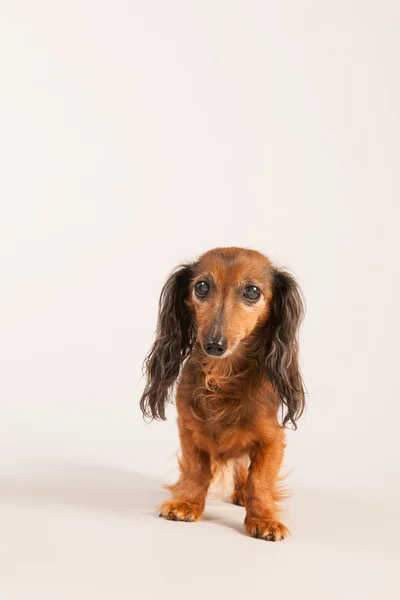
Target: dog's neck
(218,398)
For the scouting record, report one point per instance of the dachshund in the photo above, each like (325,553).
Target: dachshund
(228,337)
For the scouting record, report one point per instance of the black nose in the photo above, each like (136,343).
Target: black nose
(215,348)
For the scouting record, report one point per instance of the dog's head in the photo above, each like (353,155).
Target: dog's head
(231,302)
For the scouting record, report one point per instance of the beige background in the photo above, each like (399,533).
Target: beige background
(134,135)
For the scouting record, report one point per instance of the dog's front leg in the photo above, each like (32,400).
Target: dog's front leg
(260,491)
(189,493)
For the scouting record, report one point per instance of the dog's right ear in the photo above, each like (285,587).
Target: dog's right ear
(174,341)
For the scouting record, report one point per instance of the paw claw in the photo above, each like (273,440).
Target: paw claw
(179,511)
(266,529)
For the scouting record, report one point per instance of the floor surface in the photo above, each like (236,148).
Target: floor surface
(72,530)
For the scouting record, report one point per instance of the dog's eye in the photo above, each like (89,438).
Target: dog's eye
(202,288)
(252,292)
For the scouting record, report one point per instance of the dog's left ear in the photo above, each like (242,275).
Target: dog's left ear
(286,314)
(174,340)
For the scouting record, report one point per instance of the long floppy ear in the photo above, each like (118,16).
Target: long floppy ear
(173,343)
(286,314)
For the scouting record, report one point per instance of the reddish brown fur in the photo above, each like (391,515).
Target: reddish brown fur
(228,406)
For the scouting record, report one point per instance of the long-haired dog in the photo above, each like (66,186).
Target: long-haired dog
(228,332)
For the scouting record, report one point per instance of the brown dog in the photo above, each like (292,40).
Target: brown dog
(228,327)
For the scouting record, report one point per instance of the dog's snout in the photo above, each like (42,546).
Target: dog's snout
(214,348)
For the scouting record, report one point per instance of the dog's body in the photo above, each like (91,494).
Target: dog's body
(231,322)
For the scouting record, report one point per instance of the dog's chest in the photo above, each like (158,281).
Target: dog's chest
(224,443)
(223,426)
(222,411)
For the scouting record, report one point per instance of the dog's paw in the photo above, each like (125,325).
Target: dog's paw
(173,510)
(266,529)
(238,497)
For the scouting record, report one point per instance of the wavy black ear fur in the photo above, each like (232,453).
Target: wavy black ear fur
(286,314)
(174,341)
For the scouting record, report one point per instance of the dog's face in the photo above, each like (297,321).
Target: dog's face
(229,296)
